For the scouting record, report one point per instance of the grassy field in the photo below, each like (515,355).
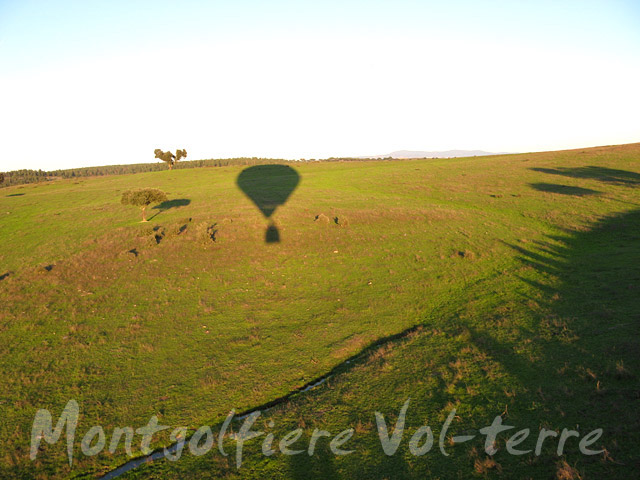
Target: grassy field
(505,285)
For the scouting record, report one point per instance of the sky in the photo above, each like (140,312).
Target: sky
(86,83)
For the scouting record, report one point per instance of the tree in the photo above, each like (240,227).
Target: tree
(1,177)
(169,157)
(181,154)
(143,198)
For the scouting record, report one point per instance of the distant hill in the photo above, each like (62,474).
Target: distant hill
(444,154)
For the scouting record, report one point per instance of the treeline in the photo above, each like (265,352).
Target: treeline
(155,167)
(19,177)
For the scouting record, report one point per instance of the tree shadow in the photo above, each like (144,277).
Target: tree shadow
(317,466)
(382,466)
(169,204)
(268,187)
(15,195)
(581,371)
(324,465)
(584,299)
(603,174)
(563,189)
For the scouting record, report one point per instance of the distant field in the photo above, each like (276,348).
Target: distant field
(515,278)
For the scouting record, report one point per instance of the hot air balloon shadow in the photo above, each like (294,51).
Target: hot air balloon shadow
(268,186)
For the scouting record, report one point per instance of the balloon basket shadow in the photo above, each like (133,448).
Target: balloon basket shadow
(272,234)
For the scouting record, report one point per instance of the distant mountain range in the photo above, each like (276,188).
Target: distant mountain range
(444,154)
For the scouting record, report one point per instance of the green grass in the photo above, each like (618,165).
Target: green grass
(516,274)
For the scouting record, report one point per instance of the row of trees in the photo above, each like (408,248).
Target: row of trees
(19,177)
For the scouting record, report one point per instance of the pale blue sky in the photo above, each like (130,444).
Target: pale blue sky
(88,83)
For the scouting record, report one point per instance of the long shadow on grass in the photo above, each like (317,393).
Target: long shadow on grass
(321,457)
(319,466)
(574,360)
(586,306)
(563,189)
(603,174)
(268,187)
(169,204)
(581,373)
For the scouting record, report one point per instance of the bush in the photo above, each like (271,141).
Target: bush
(206,232)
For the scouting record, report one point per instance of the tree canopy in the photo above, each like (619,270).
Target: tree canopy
(181,154)
(142,198)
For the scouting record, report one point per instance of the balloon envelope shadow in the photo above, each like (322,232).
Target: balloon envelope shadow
(268,187)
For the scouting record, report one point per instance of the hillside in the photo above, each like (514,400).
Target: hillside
(439,154)
(495,285)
